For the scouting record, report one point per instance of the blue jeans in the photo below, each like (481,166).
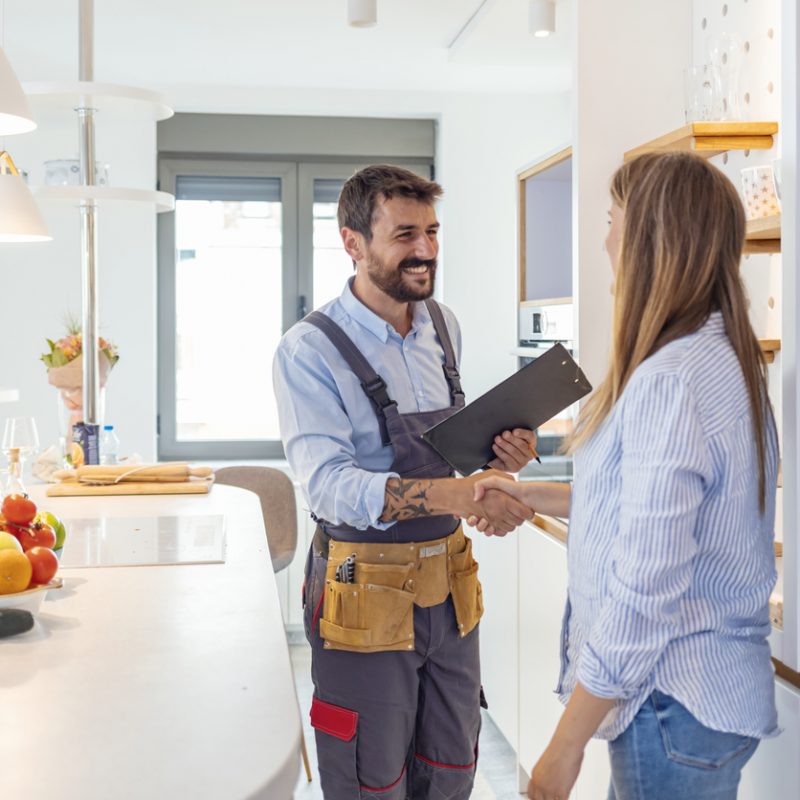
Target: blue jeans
(666,754)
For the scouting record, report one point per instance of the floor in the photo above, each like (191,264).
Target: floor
(496,778)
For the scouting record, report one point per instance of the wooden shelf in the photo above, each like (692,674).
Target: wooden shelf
(763,235)
(712,138)
(769,347)
(556,527)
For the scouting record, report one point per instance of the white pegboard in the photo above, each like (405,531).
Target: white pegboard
(757,24)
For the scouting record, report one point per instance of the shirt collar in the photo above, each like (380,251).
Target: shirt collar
(377,326)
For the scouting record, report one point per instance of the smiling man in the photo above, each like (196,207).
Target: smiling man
(391,594)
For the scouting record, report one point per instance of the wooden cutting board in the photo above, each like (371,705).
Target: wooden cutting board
(75,489)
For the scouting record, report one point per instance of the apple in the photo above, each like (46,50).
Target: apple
(48,518)
(9,542)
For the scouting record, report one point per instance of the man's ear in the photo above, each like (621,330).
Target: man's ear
(354,244)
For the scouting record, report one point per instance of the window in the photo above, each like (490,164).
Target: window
(251,248)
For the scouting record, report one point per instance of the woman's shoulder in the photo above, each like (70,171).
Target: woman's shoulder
(701,364)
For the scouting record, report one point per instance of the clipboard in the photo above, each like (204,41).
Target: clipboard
(530,397)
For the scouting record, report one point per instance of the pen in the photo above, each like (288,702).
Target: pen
(534,453)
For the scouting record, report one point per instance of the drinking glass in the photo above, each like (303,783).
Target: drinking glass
(725,53)
(20,440)
(700,84)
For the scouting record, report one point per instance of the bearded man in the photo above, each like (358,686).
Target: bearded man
(391,595)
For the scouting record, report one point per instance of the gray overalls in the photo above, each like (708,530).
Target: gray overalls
(396,725)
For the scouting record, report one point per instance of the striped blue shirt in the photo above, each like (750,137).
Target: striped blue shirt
(328,426)
(671,564)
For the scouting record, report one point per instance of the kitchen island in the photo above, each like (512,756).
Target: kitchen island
(154,681)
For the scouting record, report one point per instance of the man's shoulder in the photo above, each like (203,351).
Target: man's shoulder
(305,335)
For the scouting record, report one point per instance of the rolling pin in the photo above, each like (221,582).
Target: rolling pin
(142,473)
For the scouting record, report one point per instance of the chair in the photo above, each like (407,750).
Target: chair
(278,506)
(275,490)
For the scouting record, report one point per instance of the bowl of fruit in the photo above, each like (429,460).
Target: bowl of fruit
(29,543)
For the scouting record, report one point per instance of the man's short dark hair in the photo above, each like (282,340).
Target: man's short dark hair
(361,193)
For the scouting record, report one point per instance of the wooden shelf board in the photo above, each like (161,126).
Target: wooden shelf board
(769,347)
(712,138)
(547,301)
(763,235)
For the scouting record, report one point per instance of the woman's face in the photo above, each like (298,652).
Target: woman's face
(616,217)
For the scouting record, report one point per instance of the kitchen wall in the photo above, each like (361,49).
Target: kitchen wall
(482,140)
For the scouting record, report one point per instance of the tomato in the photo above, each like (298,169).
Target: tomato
(36,535)
(19,509)
(43,563)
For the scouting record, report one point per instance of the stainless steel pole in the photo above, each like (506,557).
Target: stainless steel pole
(90,321)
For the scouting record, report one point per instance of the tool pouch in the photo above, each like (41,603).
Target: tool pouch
(465,588)
(374,614)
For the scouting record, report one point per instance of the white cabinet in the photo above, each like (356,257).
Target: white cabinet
(542,597)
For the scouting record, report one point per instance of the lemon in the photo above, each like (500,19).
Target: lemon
(76,455)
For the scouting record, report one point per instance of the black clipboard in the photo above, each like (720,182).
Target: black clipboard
(530,397)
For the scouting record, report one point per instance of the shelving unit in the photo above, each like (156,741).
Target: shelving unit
(68,95)
(763,235)
(712,138)
(100,195)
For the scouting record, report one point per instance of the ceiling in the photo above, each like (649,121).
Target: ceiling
(163,44)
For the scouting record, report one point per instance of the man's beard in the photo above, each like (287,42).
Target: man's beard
(390,279)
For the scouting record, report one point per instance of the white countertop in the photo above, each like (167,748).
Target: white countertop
(154,682)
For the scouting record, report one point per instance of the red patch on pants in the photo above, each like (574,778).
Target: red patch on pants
(334,720)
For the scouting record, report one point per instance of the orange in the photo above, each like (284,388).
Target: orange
(15,571)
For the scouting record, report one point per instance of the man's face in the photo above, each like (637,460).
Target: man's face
(401,258)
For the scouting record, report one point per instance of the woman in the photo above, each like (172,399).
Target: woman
(671,514)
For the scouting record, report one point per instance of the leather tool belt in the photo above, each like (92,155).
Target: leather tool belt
(371,589)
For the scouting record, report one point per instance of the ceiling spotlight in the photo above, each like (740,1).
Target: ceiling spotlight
(542,17)
(362,13)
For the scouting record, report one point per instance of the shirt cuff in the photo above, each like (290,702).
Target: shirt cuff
(375,500)
(597,680)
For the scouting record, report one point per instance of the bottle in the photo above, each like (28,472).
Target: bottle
(109,446)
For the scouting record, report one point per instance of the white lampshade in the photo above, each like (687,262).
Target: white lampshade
(20,220)
(362,13)
(15,116)
(542,17)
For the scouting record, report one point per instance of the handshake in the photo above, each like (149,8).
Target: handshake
(494,502)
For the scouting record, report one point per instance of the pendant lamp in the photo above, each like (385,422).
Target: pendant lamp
(20,220)
(15,116)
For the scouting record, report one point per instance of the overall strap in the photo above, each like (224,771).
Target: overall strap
(373,385)
(451,373)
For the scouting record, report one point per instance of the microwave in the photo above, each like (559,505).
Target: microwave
(546,323)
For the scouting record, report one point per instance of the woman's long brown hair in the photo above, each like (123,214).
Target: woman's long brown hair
(682,240)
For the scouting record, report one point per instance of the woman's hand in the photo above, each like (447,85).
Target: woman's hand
(555,773)
(492,485)
(514,449)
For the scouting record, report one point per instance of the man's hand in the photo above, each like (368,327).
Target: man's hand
(502,511)
(486,487)
(555,773)
(514,449)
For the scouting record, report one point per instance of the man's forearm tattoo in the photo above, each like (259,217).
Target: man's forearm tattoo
(406,499)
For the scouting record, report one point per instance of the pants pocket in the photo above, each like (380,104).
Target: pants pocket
(467,594)
(691,743)
(337,738)
(367,618)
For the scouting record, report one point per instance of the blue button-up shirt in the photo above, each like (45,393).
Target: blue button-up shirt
(671,564)
(329,428)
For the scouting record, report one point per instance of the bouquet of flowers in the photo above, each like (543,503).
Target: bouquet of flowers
(64,365)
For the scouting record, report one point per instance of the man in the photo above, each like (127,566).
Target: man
(391,594)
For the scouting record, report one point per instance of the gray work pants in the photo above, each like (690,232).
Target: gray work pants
(396,725)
